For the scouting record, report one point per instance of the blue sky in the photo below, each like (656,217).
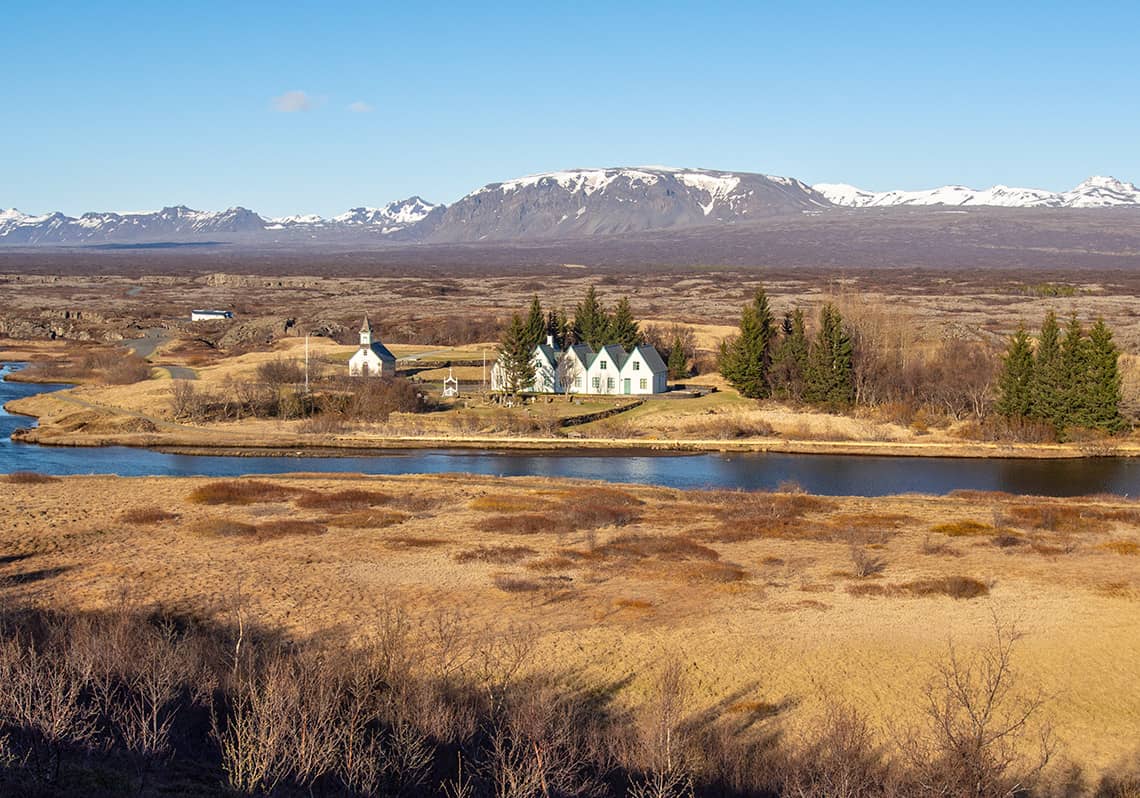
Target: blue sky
(132,106)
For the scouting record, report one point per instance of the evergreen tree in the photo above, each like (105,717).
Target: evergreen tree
(1048,388)
(831,372)
(1016,381)
(1073,404)
(678,364)
(558,328)
(515,357)
(1103,380)
(622,327)
(790,363)
(536,324)
(746,359)
(591,321)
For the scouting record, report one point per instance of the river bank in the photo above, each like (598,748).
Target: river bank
(68,420)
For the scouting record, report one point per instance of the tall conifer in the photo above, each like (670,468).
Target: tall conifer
(591,321)
(745,359)
(831,372)
(1104,395)
(1047,393)
(1015,384)
(622,327)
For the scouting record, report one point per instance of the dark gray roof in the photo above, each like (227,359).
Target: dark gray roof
(584,352)
(550,353)
(382,352)
(616,354)
(652,358)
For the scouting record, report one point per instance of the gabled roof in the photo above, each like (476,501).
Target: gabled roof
(652,358)
(549,354)
(616,354)
(381,351)
(583,352)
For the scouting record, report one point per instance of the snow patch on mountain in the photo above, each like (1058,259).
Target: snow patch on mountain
(1096,192)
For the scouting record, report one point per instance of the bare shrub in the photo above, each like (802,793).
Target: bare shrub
(342,500)
(963,529)
(281,372)
(29,478)
(366,519)
(956,587)
(146,515)
(126,370)
(665,768)
(864,563)
(840,758)
(240,492)
(502,555)
(983,734)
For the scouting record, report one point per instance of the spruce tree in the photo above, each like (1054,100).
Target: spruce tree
(745,360)
(536,324)
(1073,405)
(516,357)
(831,371)
(1103,378)
(591,321)
(790,363)
(1047,393)
(558,328)
(1015,384)
(622,327)
(678,364)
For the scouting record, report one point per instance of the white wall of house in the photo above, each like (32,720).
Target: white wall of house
(638,377)
(366,363)
(603,376)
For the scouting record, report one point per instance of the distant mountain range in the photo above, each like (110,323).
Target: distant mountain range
(567,205)
(1096,192)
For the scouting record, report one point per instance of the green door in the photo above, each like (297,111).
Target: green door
(626,386)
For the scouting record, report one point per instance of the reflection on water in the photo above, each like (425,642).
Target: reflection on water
(823,474)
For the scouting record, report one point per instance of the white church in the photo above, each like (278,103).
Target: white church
(372,359)
(579,369)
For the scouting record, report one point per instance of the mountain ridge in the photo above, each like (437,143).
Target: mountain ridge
(565,204)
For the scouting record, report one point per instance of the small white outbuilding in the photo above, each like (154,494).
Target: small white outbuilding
(372,359)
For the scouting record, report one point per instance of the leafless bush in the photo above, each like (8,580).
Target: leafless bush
(984,734)
(864,563)
(666,771)
(841,758)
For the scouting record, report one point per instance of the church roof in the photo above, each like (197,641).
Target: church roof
(366,326)
(381,351)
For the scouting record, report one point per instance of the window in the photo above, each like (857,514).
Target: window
(609,383)
(597,383)
(602,364)
(637,367)
(578,382)
(643,384)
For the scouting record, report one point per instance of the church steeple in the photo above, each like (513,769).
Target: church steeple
(365,333)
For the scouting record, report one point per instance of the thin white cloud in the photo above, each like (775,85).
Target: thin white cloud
(292,102)
(360,107)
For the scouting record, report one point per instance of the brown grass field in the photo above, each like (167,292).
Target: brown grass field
(785,601)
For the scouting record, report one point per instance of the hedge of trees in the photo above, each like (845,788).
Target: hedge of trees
(1070,380)
(764,360)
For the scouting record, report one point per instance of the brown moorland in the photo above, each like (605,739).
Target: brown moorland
(781,614)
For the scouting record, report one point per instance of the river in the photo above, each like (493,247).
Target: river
(823,474)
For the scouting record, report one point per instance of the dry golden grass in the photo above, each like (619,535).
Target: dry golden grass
(616,599)
(1127,547)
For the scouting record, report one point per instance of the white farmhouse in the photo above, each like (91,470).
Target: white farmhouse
(609,371)
(372,358)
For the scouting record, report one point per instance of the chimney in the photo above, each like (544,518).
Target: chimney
(550,341)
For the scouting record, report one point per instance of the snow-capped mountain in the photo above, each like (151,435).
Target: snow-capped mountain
(570,204)
(1096,192)
(177,222)
(581,202)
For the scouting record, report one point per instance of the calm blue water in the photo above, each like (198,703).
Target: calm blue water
(822,474)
